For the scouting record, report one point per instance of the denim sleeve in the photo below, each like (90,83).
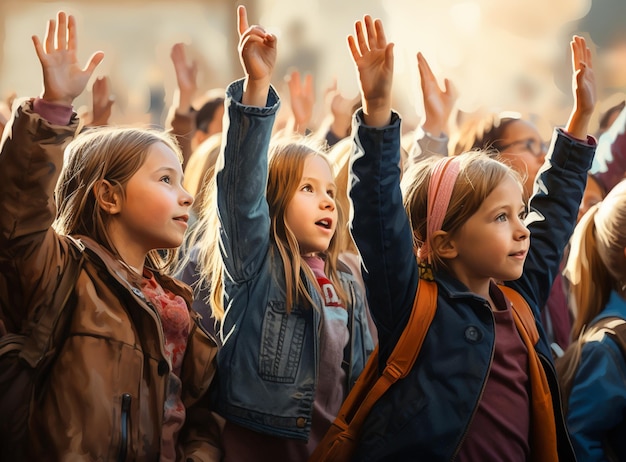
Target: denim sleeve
(241,183)
(598,398)
(380,227)
(553,209)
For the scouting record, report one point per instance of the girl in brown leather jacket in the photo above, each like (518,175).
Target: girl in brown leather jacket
(130,378)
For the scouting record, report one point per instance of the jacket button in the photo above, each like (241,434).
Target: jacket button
(473,334)
(163,367)
(300,422)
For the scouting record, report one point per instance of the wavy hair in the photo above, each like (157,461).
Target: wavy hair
(286,166)
(596,264)
(112,154)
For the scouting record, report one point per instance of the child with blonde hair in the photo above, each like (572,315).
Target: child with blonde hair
(596,271)
(483,386)
(290,315)
(132,366)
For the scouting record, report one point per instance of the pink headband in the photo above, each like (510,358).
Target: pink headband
(442,181)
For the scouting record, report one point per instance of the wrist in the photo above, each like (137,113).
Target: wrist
(376,115)
(56,99)
(255,92)
(434,129)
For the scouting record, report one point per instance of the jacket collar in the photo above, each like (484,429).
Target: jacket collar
(121,271)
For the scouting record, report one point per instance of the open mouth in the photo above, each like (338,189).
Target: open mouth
(184,218)
(326,224)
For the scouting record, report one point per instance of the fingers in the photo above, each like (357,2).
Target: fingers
(71,33)
(242,19)
(93,62)
(369,35)
(49,39)
(178,53)
(360,37)
(293,82)
(38,48)
(61,32)
(426,73)
(381,40)
(308,83)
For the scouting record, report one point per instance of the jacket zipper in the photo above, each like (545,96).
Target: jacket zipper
(124,427)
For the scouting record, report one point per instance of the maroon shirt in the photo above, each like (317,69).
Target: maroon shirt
(499,430)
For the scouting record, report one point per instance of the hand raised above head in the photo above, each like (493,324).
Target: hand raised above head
(302,99)
(186,73)
(438,103)
(63,78)
(257,49)
(583,88)
(373,58)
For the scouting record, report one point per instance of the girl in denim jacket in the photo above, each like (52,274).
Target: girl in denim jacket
(291,317)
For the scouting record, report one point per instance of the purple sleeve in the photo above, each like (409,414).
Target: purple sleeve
(56,114)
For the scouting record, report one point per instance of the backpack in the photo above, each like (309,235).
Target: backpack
(26,357)
(567,365)
(340,441)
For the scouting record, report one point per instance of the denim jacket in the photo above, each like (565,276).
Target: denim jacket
(426,415)
(268,361)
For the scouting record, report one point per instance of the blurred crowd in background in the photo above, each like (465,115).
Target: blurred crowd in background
(504,55)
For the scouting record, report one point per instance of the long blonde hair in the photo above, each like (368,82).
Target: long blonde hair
(479,175)
(112,154)
(286,165)
(596,264)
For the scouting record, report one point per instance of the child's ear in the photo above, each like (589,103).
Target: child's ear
(443,245)
(107,197)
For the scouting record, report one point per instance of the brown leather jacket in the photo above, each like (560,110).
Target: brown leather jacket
(104,398)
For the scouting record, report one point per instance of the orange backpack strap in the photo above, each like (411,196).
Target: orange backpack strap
(524,312)
(340,441)
(543,438)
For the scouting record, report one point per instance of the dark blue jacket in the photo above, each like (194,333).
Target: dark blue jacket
(597,402)
(268,361)
(426,415)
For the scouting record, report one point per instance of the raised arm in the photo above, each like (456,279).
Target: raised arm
(438,103)
(63,78)
(242,168)
(559,185)
(302,101)
(380,226)
(583,87)
(373,58)
(31,159)
(102,102)
(432,137)
(257,53)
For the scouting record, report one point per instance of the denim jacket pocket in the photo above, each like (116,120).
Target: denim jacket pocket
(281,343)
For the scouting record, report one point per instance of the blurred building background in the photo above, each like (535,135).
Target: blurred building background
(504,54)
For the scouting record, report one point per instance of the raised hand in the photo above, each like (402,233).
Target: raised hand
(438,104)
(373,58)
(257,53)
(185,77)
(583,88)
(63,78)
(340,110)
(102,102)
(302,98)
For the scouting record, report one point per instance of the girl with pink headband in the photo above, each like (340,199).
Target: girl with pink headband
(481,388)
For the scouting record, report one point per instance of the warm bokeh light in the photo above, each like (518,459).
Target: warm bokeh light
(509,55)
